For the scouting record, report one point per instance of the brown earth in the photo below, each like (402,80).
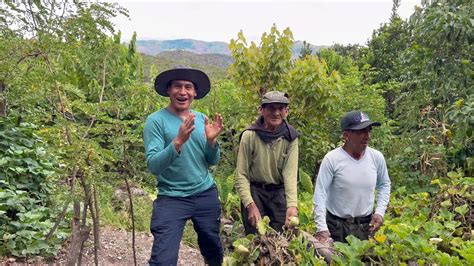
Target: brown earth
(116,249)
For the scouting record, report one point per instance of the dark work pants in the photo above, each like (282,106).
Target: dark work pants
(340,228)
(270,202)
(169,218)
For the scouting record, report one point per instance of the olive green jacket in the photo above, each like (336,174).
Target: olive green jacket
(269,163)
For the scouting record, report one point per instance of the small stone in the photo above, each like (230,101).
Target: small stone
(435,240)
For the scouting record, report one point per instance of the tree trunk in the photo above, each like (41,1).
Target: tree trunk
(132,216)
(66,204)
(79,235)
(3,100)
(95,223)
(97,215)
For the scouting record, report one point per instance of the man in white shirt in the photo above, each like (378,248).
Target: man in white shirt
(344,196)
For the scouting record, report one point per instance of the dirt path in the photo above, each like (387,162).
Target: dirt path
(116,249)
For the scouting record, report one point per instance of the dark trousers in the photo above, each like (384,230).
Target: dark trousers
(271,202)
(169,218)
(340,228)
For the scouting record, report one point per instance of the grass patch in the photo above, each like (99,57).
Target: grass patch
(189,235)
(115,212)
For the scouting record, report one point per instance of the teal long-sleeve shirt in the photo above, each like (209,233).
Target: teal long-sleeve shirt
(178,174)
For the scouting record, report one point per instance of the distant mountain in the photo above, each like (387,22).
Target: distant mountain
(297,45)
(155,47)
(190,58)
(212,57)
(215,65)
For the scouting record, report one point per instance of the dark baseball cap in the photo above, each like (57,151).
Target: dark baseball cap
(275,97)
(356,120)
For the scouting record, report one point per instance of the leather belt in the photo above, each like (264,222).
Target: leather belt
(267,186)
(352,220)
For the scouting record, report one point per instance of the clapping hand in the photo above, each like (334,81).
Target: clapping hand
(213,129)
(184,132)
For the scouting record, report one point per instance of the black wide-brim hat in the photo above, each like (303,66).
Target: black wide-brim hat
(200,79)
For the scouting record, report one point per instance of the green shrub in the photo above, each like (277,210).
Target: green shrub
(27,213)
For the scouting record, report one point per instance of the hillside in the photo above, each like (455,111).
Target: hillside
(297,45)
(155,47)
(215,65)
(213,57)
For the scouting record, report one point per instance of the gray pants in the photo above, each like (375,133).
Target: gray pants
(340,228)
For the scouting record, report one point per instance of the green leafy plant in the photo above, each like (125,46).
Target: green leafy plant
(27,174)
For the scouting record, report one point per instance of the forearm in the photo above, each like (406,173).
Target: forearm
(383,197)
(159,161)
(242,182)
(213,154)
(242,178)
(291,189)
(211,143)
(319,201)
(290,175)
(242,185)
(383,187)
(323,182)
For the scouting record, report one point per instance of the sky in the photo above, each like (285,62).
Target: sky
(317,22)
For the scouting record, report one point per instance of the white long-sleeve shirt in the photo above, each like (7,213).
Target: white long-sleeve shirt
(346,186)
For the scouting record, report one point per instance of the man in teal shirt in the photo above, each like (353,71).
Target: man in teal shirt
(180,145)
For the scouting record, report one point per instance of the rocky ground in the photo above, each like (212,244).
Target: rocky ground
(116,249)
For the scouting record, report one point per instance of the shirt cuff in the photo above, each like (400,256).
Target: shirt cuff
(322,228)
(247,201)
(216,146)
(175,152)
(380,213)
